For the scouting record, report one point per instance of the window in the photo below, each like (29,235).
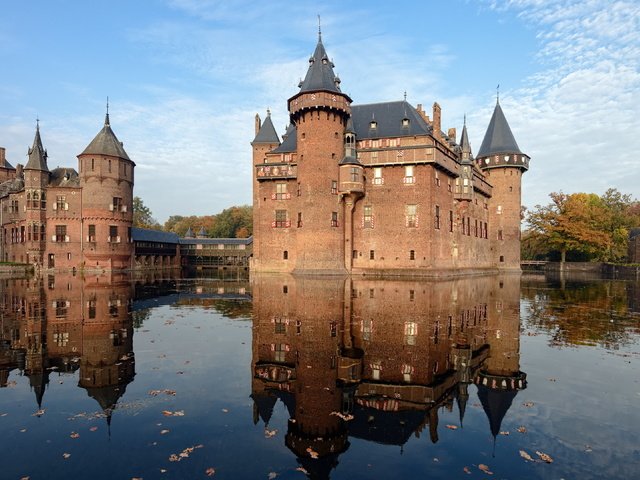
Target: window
(61,234)
(285,255)
(372,254)
(355,174)
(334,219)
(43,200)
(281,220)
(476,230)
(280,326)
(367,329)
(410,333)
(92,164)
(412,256)
(437,178)
(367,219)
(451,220)
(485,230)
(499,210)
(407,370)
(354,254)
(448,184)
(334,187)
(299,219)
(377,176)
(408,174)
(113,234)
(436,220)
(501,258)
(411,213)
(499,234)
(281,192)
(61,203)
(280,352)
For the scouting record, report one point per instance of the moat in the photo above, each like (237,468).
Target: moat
(282,377)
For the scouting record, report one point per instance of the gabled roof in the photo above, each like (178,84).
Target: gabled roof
(37,154)
(155,236)
(64,177)
(320,75)
(498,138)
(106,143)
(267,132)
(289,141)
(388,118)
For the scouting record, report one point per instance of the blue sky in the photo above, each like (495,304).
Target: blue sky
(185,79)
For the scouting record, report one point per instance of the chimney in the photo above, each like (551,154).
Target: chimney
(422,114)
(19,170)
(436,120)
(2,157)
(452,134)
(258,123)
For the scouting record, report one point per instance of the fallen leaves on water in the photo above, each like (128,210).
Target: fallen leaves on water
(66,455)
(588,449)
(544,457)
(505,433)
(177,457)
(302,469)
(270,433)
(522,429)
(166,391)
(485,469)
(74,435)
(526,456)
(312,453)
(344,417)
(38,413)
(22,430)
(466,470)
(164,432)
(272,475)
(210,472)
(452,427)
(528,404)
(93,429)
(225,410)
(169,413)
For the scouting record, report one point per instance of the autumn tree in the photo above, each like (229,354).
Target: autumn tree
(234,222)
(142,216)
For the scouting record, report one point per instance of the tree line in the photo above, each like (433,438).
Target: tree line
(581,227)
(233,222)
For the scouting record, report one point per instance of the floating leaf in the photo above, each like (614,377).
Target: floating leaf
(485,469)
(74,435)
(270,433)
(522,429)
(272,475)
(225,410)
(164,432)
(452,427)
(66,455)
(312,453)
(504,433)
(38,413)
(528,404)
(466,470)
(544,457)
(93,429)
(210,472)
(526,456)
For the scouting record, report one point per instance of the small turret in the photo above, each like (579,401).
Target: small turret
(464,183)
(351,170)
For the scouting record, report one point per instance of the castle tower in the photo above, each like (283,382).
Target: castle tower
(351,188)
(503,163)
(320,112)
(464,183)
(266,139)
(106,178)
(36,180)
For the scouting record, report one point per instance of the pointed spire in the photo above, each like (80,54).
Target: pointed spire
(106,118)
(106,142)
(37,154)
(464,141)
(319,30)
(498,138)
(320,76)
(267,132)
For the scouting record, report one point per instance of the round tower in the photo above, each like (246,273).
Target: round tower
(106,178)
(503,164)
(320,112)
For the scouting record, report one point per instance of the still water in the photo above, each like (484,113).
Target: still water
(290,378)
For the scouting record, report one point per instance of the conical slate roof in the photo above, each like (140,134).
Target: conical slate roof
(320,75)
(498,138)
(106,143)
(37,154)
(495,403)
(267,132)
(289,141)
(464,142)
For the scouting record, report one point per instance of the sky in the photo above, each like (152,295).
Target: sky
(185,79)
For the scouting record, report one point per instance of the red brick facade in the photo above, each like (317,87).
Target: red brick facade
(404,199)
(62,220)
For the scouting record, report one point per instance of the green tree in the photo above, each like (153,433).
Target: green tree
(233,222)
(142,216)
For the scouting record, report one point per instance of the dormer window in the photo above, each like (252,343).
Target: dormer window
(373,124)
(405,122)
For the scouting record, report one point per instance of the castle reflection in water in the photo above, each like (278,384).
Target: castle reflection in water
(376,360)
(348,357)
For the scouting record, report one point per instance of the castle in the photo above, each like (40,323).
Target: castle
(380,188)
(62,219)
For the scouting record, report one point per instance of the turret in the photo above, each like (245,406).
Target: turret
(320,111)
(36,179)
(503,163)
(36,171)
(351,170)
(464,183)
(106,178)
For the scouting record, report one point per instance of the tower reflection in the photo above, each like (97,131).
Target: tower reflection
(376,360)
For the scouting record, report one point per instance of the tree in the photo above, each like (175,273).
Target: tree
(142,216)
(233,222)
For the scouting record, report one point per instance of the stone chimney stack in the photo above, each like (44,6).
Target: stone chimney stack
(436,120)
(258,123)
(19,168)
(3,158)
(452,134)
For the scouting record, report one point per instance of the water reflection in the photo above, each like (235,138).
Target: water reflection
(377,360)
(64,324)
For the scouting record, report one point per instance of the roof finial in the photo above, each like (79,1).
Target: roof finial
(465,120)
(106,118)
(405,95)
(268,112)
(37,122)
(498,94)
(319,29)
